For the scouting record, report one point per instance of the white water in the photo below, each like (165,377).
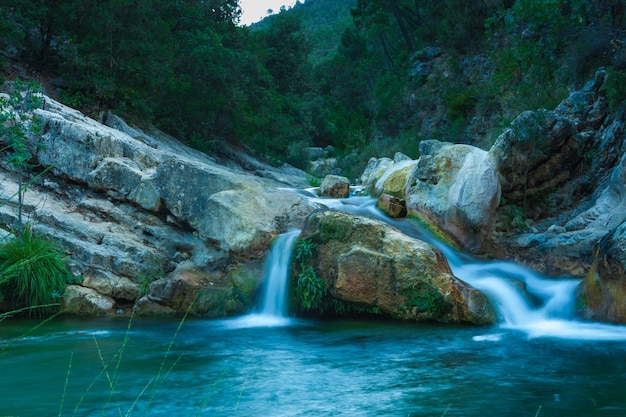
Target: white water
(526,301)
(274,309)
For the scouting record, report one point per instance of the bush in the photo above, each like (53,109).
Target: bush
(33,273)
(616,88)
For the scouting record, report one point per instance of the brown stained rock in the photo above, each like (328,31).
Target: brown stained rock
(335,186)
(392,206)
(373,265)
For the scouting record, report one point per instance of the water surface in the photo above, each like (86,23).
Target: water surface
(302,368)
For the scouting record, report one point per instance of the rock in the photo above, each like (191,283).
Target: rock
(335,186)
(322,167)
(245,222)
(392,206)
(538,152)
(374,170)
(202,293)
(87,301)
(602,294)
(314,152)
(394,180)
(114,286)
(579,172)
(145,306)
(373,265)
(456,189)
(127,205)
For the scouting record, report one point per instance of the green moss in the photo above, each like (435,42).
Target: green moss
(332,229)
(439,234)
(425,298)
(244,285)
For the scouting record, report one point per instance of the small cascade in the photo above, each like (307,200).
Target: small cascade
(273,308)
(526,301)
(277,276)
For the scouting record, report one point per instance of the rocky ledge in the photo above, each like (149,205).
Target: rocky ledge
(144,218)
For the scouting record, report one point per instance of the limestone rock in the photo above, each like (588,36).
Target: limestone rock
(127,204)
(87,301)
(392,206)
(375,168)
(372,264)
(204,293)
(394,180)
(114,286)
(456,188)
(602,294)
(335,186)
(538,152)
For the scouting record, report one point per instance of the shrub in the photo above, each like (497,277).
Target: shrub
(33,273)
(615,88)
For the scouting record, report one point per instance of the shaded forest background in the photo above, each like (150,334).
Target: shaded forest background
(365,77)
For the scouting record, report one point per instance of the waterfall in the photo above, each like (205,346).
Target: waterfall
(277,269)
(273,307)
(526,301)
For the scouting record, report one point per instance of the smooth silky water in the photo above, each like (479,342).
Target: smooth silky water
(539,361)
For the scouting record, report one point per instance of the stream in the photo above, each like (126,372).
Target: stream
(538,361)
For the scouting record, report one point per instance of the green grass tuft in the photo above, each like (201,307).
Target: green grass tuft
(33,273)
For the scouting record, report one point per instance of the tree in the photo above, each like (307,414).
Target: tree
(17,124)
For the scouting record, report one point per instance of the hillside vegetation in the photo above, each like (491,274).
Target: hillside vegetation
(368,77)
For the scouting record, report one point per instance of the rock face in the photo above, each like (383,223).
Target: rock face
(374,265)
(132,207)
(455,188)
(576,205)
(549,193)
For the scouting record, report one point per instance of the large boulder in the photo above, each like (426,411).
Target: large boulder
(202,292)
(394,180)
(375,266)
(375,169)
(335,186)
(455,188)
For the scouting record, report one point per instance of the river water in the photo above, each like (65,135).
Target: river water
(538,361)
(303,368)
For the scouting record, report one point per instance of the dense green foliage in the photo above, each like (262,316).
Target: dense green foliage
(310,289)
(325,72)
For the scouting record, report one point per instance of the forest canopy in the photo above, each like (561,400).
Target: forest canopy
(325,72)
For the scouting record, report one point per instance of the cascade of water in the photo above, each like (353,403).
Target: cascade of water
(273,307)
(277,275)
(525,300)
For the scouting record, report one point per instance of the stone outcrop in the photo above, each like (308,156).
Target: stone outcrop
(456,189)
(580,232)
(335,186)
(373,265)
(131,207)
(549,194)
